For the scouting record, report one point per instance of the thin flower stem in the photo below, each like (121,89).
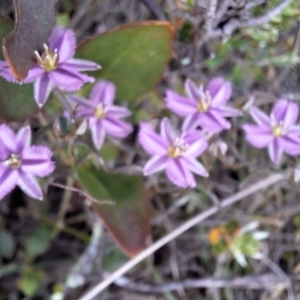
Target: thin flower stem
(269,181)
(62,98)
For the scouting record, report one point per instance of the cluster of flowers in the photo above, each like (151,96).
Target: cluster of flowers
(176,152)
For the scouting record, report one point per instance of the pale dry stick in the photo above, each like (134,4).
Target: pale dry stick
(269,181)
(83,193)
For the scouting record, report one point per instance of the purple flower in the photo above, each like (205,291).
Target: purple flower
(277,132)
(55,67)
(204,107)
(176,154)
(103,117)
(20,162)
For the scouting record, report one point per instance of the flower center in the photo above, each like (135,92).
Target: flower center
(49,59)
(278,130)
(177,148)
(100,111)
(14,161)
(204,101)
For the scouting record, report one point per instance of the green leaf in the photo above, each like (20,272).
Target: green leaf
(129,218)
(7,244)
(133,57)
(38,242)
(34,21)
(31,282)
(16,101)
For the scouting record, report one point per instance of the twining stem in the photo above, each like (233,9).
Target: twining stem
(262,184)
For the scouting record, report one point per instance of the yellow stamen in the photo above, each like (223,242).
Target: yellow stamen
(49,59)
(176,149)
(99,112)
(202,106)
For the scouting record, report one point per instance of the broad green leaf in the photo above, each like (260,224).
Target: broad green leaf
(129,218)
(38,242)
(31,281)
(16,101)
(34,21)
(7,244)
(133,57)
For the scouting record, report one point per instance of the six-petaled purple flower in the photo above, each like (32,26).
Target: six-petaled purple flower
(56,67)
(278,132)
(103,117)
(20,162)
(204,107)
(175,153)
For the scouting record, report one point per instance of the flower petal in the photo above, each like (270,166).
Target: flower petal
(156,164)
(152,142)
(8,180)
(213,121)
(258,137)
(42,89)
(190,122)
(166,130)
(294,129)
(81,101)
(285,111)
(23,138)
(220,91)
(69,79)
(36,160)
(8,141)
(290,144)
(180,105)
(103,92)
(64,41)
(275,151)
(30,186)
(259,116)
(98,134)
(34,74)
(179,174)
(118,112)
(227,111)
(82,64)
(116,127)
(196,148)
(192,90)
(195,166)
(6,73)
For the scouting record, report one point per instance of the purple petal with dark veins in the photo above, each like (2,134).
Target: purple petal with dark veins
(192,90)
(275,152)
(23,138)
(68,79)
(30,186)
(166,130)
(103,92)
(64,41)
(156,164)
(34,74)
(220,91)
(42,89)
(116,127)
(180,105)
(80,101)
(8,141)
(285,111)
(190,122)
(118,112)
(179,174)
(36,160)
(8,180)
(258,137)
(290,144)
(98,134)
(259,116)
(195,166)
(152,142)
